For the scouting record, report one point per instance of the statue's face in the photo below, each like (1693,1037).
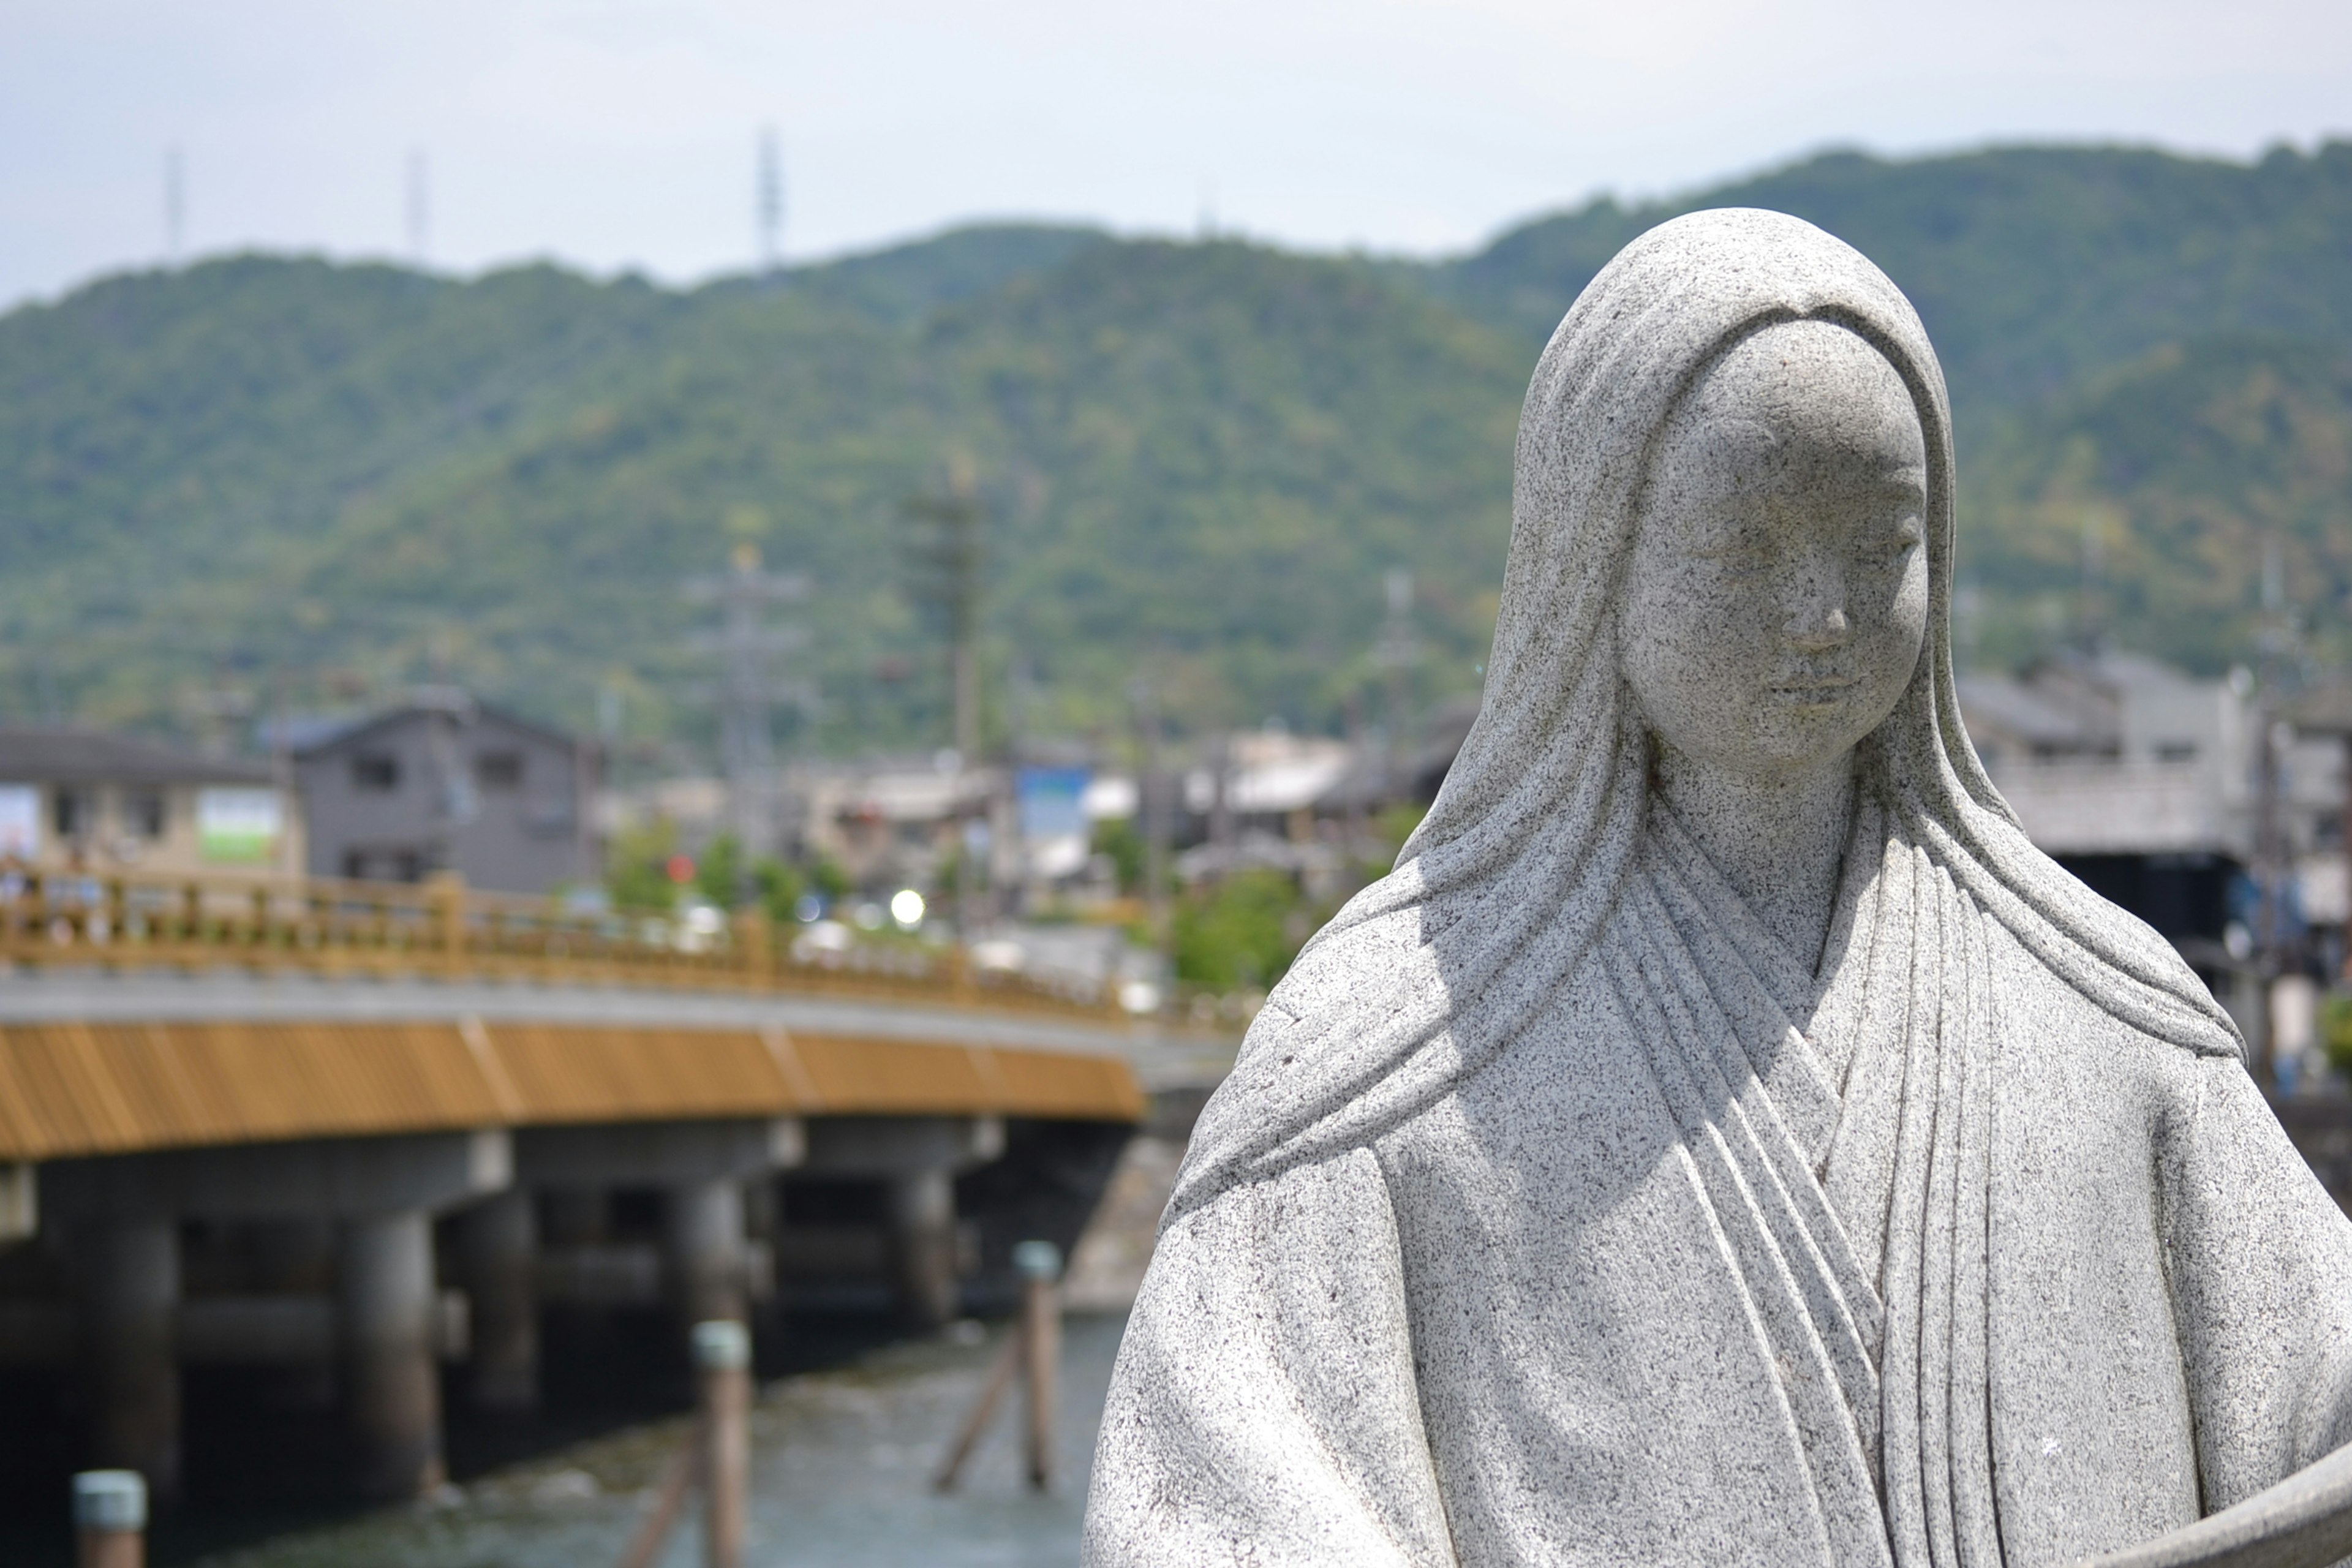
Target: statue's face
(1777,596)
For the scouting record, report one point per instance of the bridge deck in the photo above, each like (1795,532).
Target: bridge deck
(97,1064)
(81,1087)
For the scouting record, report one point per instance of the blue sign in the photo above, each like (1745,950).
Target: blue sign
(1052,802)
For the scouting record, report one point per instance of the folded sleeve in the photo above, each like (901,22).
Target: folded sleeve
(1263,1410)
(2260,1263)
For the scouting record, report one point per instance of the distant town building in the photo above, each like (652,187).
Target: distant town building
(2147,783)
(445,783)
(893,822)
(87,801)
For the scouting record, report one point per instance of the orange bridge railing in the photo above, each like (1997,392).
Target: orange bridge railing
(442,929)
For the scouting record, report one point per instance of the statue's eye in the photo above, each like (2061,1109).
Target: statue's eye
(1739,551)
(1896,538)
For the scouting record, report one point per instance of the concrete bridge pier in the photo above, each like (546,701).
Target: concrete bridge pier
(295,1256)
(130,1279)
(699,1166)
(496,1253)
(917,1159)
(574,1215)
(381,1194)
(384,1304)
(923,1248)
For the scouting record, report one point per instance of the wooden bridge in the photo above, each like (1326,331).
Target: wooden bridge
(360,1132)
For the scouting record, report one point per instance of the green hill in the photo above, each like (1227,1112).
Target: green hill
(2032,265)
(1194,452)
(1198,459)
(2179,476)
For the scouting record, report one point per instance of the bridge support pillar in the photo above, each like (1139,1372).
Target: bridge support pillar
(705,1250)
(923,1248)
(131,1283)
(379,1192)
(498,1249)
(391,1396)
(917,1159)
(296,1257)
(699,1166)
(575,1216)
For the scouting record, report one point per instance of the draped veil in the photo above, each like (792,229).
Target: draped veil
(1522,858)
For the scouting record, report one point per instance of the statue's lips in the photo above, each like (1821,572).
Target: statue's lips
(1813,692)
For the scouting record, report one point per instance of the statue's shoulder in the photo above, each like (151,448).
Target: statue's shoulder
(1321,1223)
(2080,1040)
(1348,1179)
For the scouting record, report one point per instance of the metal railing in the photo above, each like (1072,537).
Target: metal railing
(442,929)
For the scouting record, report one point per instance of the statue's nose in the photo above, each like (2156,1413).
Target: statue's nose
(1818,619)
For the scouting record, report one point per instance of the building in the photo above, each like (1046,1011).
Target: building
(445,782)
(2148,784)
(86,800)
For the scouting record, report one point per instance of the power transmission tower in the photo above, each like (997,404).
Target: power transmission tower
(2278,645)
(1397,652)
(454,803)
(947,557)
(1156,792)
(749,689)
(770,198)
(175,205)
(420,206)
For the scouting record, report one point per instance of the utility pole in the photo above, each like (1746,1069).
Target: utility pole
(1397,652)
(596,768)
(2093,624)
(770,203)
(1356,783)
(947,556)
(748,690)
(1151,793)
(44,689)
(454,804)
(420,206)
(219,712)
(1221,802)
(175,205)
(2276,644)
(281,774)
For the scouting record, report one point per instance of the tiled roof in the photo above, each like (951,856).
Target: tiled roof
(43,755)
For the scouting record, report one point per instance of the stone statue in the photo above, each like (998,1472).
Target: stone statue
(1724,1138)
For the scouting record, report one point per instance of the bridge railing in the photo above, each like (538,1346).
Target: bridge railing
(443,929)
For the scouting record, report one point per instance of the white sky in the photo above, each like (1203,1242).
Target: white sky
(620,134)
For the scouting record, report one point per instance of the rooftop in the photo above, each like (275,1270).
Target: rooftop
(34,754)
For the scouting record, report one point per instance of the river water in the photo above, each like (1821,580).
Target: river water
(841,1468)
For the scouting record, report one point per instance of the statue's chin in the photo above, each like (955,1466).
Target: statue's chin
(1777,740)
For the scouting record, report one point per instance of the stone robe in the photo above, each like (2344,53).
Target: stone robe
(1925,1260)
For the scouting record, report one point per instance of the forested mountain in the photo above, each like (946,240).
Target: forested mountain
(2031,266)
(1198,459)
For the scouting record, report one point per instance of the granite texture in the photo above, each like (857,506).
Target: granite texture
(1724,1138)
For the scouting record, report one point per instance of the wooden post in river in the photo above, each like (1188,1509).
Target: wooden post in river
(1034,1346)
(1039,1264)
(109,1518)
(722,1367)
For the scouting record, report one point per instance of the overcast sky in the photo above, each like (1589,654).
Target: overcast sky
(621,134)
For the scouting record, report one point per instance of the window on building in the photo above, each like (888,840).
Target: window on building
(144,814)
(73,810)
(499,770)
(385,863)
(375,771)
(2176,751)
